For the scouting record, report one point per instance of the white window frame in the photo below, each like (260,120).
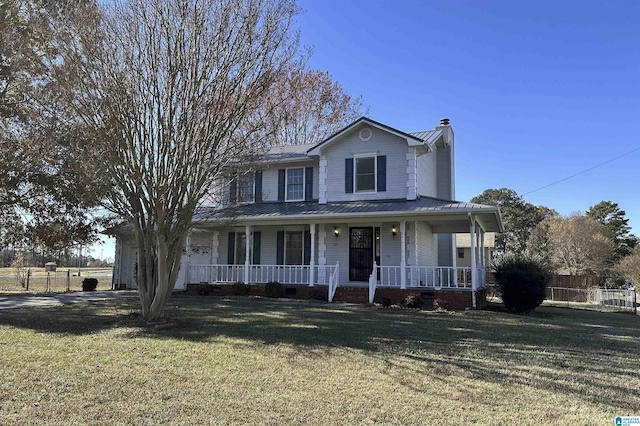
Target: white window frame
(373,155)
(286,183)
(286,234)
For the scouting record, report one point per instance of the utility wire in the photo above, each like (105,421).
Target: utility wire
(584,171)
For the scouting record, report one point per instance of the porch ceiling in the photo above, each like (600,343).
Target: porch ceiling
(445,216)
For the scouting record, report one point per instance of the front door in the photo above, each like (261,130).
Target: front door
(360,253)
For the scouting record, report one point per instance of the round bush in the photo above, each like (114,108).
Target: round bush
(240,289)
(522,283)
(274,289)
(89,284)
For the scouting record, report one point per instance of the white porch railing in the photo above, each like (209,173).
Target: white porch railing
(284,274)
(428,276)
(436,277)
(333,283)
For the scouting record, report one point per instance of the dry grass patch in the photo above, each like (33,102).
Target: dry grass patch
(58,280)
(258,362)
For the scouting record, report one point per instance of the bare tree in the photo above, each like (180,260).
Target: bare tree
(175,91)
(576,244)
(311,106)
(629,268)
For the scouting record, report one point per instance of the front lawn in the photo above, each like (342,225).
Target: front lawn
(260,362)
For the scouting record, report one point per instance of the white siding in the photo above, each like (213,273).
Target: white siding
(426,244)
(427,175)
(445,249)
(443,173)
(382,143)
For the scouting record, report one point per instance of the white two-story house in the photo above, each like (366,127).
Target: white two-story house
(369,208)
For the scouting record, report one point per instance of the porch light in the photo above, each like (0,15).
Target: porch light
(336,231)
(394,231)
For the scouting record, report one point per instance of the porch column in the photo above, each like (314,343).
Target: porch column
(403,255)
(454,259)
(322,247)
(215,243)
(188,258)
(312,262)
(472,232)
(482,254)
(247,252)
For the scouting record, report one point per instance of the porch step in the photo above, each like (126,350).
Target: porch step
(352,294)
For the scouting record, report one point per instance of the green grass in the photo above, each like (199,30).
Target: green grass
(260,362)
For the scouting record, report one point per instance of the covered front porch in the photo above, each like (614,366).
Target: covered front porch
(360,253)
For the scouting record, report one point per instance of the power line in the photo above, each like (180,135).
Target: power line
(584,171)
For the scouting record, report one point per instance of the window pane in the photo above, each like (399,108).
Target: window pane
(365,165)
(365,174)
(245,188)
(365,183)
(241,247)
(295,184)
(293,248)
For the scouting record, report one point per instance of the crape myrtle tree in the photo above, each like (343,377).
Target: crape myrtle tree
(174,91)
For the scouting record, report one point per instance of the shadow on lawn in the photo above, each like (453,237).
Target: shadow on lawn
(547,349)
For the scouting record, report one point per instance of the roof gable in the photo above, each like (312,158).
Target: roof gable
(412,140)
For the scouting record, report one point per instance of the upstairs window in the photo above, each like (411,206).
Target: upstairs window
(365,174)
(295,184)
(246,188)
(241,189)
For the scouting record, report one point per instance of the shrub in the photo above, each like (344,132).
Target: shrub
(414,301)
(315,294)
(89,284)
(274,289)
(240,289)
(440,304)
(384,301)
(522,282)
(204,291)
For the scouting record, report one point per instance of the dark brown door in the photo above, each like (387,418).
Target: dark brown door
(360,253)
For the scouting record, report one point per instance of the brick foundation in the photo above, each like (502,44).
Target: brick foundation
(448,299)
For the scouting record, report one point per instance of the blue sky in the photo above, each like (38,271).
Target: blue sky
(536,91)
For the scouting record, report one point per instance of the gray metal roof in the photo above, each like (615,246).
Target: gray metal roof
(424,135)
(312,210)
(288,152)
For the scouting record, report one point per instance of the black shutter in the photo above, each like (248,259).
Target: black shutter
(308,183)
(256,247)
(233,190)
(348,175)
(280,248)
(231,248)
(307,247)
(258,186)
(281,178)
(382,173)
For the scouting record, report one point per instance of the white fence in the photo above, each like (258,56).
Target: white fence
(615,299)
